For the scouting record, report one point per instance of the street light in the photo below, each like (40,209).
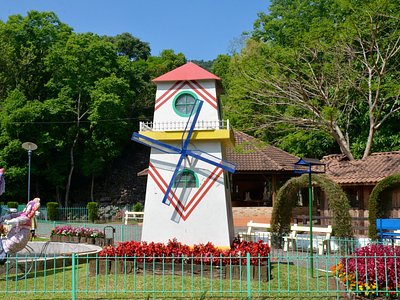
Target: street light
(308,166)
(29,146)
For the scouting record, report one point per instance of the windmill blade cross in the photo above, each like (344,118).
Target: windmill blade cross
(184,152)
(196,109)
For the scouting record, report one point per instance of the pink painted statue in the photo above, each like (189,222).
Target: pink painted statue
(20,232)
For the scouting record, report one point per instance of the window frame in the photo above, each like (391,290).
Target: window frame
(174,106)
(178,176)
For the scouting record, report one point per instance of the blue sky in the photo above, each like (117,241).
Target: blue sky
(200,29)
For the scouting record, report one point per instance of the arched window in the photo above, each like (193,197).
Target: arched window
(186,179)
(184,103)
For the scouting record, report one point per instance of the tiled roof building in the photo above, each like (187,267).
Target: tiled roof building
(251,154)
(369,171)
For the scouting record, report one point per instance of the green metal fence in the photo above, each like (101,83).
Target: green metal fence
(86,277)
(281,277)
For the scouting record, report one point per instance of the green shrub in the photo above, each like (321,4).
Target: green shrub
(12,204)
(376,203)
(52,210)
(337,201)
(138,207)
(93,211)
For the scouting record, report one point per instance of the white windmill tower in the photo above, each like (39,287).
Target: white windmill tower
(187,195)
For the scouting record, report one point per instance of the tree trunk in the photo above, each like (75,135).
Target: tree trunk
(58,195)
(92,189)
(71,170)
(79,116)
(342,142)
(370,139)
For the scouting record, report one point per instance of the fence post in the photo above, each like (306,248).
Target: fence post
(73,277)
(248,275)
(122,236)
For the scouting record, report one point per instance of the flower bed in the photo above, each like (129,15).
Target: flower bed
(71,234)
(177,258)
(370,272)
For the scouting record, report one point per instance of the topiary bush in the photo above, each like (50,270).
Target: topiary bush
(52,211)
(12,204)
(376,204)
(93,211)
(138,206)
(337,202)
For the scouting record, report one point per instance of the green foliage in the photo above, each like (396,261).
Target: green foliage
(304,71)
(167,61)
(77,96)
(12,204)
(205,64)
(130,46)
(52,211)
(93,211)
(376,202)
(138,206)
(337,202)
(313,144)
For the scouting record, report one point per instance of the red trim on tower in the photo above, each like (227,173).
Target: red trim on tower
(172,195)
(167,91)
(199,90)
(160,103)
(204,90)
(201,188)
(205,192)
(212,102)
(193,202)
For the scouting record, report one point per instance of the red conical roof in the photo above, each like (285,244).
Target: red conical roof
(188,71)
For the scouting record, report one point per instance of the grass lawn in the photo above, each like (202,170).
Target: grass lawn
(285,281)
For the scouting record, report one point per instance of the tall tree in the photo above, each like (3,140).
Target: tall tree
(76,66)
(25,43)
(327,77)
(130,46)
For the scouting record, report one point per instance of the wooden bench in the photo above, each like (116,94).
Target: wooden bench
(322,241)
(262,233)
(136,215)
(388,228)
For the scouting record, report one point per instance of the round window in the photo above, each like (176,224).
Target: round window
(184,103)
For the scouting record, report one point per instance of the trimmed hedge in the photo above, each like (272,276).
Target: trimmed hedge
(337,202)
(93,211)
(138,207)
(12,204)
(376,205)
(52,211)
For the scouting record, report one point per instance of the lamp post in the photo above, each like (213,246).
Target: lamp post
(29,146)
(308,166)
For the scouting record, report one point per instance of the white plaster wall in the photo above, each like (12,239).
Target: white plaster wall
(211,219)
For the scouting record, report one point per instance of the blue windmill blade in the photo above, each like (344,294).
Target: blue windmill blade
(198,104)
(171,183)
(196,110)
(213,160)
(163,147)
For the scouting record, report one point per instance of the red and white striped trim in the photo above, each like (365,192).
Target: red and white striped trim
(186,210)
(179,85)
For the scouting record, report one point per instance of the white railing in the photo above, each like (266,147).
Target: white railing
(174,126)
